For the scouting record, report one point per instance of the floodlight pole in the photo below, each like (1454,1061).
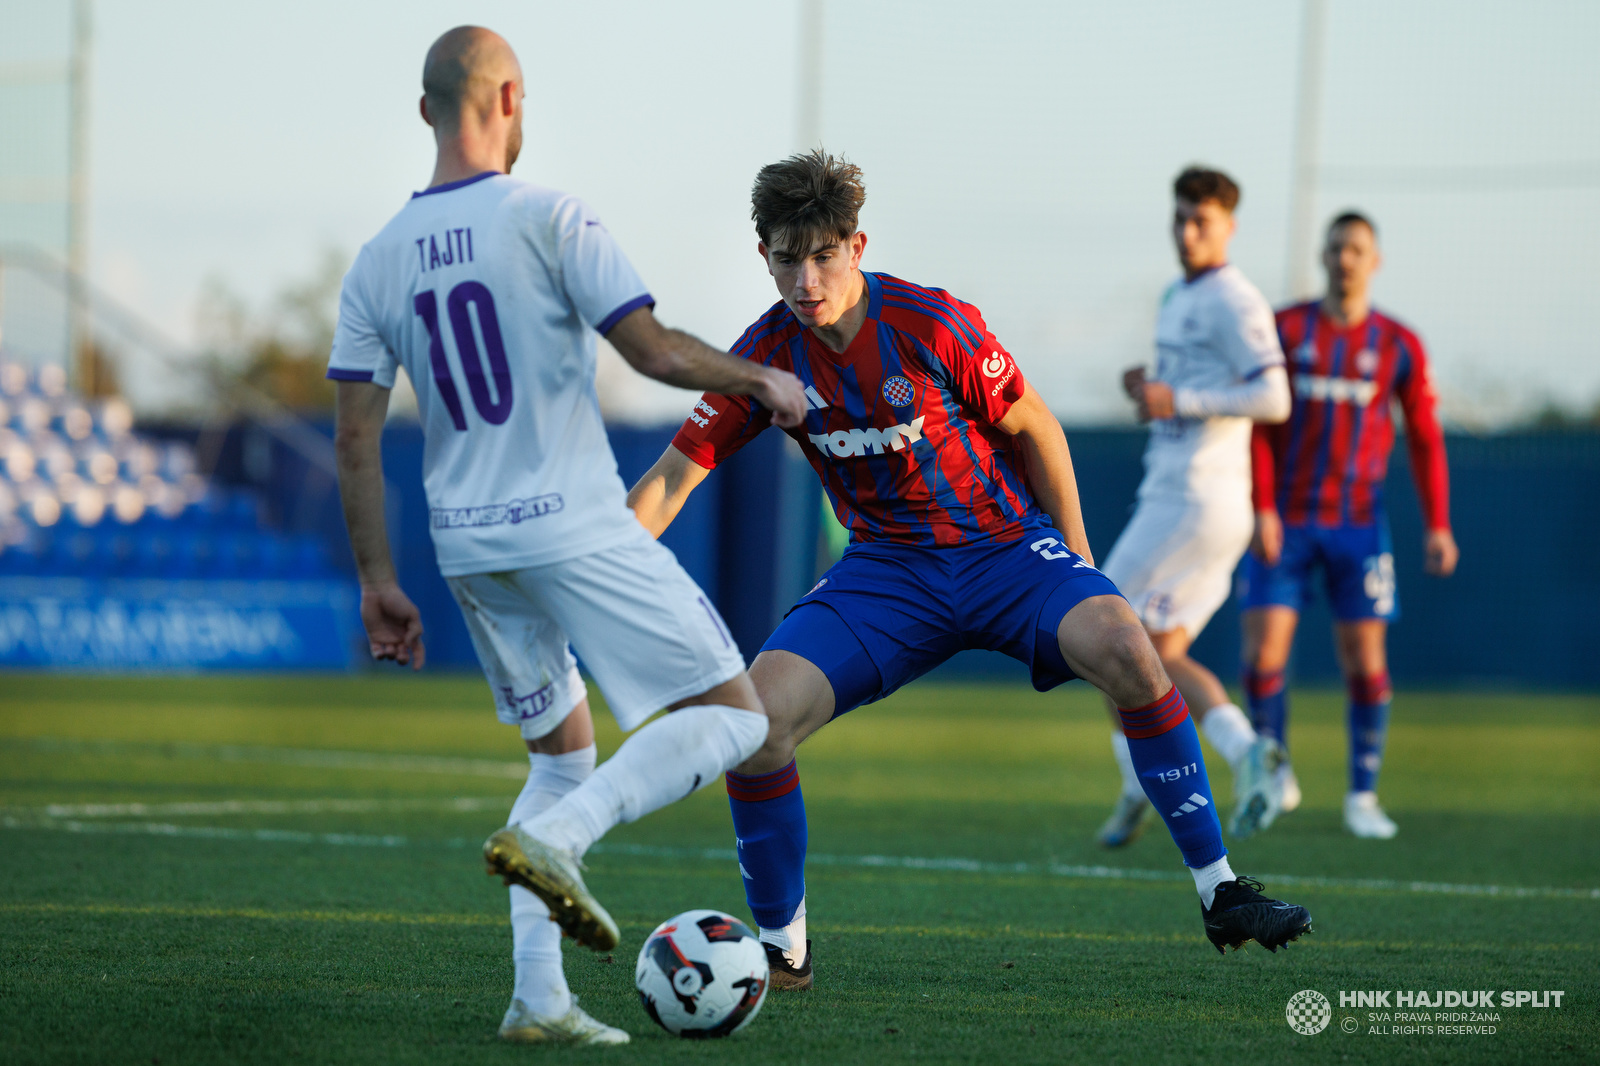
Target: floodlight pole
(80,347)
(1298,279)
(808,113)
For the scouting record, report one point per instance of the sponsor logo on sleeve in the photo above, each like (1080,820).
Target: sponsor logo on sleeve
(702,414)
(996,365)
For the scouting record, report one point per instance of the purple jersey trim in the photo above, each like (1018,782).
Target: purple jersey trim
(447,186)
(339,373)
(610,321)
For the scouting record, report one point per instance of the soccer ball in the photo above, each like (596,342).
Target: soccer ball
(702,974)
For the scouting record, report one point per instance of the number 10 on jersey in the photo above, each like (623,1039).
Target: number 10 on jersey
(462,301)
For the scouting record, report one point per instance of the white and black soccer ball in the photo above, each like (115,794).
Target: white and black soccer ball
(702,974)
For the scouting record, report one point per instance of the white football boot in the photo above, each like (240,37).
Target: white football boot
(1364,818)
(1126,822)
(518,858)
(1255,786)
(1288,787)
(522,1026)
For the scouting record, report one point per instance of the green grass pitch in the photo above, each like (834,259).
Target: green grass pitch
(231,870)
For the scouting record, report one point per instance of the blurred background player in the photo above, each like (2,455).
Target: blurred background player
(489,291)
(956,484)
(1319,503)
(1218,366)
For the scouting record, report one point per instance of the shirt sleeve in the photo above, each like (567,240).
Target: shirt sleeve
(1263,468)
(359,352)
(1247,333)
(1424,436)
(597,277)
(985,378)
(719,426)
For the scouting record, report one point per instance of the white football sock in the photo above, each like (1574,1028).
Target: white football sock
(791,939)
(1229,731)
(535,939)
(1207,878)
(660,764)
(1131,785)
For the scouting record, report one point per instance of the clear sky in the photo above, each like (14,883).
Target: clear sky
(1017,154)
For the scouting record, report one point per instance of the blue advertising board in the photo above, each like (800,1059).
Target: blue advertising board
(121,625)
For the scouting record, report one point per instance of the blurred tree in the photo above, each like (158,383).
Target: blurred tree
(282,352)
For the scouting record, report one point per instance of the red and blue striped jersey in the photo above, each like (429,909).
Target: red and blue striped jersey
(901,427)
(1326,465)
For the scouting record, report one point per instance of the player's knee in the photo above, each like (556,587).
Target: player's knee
(1130,656)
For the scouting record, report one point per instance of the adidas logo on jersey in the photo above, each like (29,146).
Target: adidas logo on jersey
(814,400)
(853,443)
(1335,390)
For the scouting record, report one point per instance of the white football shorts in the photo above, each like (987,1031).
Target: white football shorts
(1175,560)
(645,631)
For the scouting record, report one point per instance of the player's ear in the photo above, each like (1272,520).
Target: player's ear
(761,250)
(858,245)
(509,95)
(422,107)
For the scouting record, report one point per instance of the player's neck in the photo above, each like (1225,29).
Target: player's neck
(1348,310)
(463,157)
(1190,273)
(837,336)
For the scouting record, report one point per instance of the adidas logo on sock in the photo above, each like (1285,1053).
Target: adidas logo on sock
(1190,805)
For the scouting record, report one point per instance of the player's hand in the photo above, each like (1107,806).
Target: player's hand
(781,393)
(394,625)
(1266,543)
(1156,401)
(1440,552)
(1133,383)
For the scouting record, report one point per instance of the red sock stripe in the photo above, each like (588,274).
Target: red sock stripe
(1156,718)
(1369,690)
(1262,685)
(752,788)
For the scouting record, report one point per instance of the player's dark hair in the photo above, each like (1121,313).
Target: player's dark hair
(807,199)
(1199,184)
(1348,218)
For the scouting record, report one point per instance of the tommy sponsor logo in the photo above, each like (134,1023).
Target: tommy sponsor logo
(496,514)
(814,400)
(1334,390)
(1190,805)
(857,442)
(702,414)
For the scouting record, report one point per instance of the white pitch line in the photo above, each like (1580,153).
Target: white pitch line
(327,760)
(276,836)
(463,804)
(1111,873)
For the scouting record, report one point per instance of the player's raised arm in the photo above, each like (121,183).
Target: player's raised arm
(1048,467)
(678,358)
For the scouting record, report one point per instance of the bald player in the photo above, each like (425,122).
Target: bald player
(489,291)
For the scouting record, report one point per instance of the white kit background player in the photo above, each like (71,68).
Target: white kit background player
(489,290)
(1218,369)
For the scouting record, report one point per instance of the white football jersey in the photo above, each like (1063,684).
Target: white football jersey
(489,292)
(1213,332)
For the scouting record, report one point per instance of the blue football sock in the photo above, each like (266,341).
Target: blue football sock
(1368,721)
(1166,751)
(1268,699)
(769,819)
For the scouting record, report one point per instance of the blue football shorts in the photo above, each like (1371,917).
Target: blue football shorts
(886,613)
(1357,572)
